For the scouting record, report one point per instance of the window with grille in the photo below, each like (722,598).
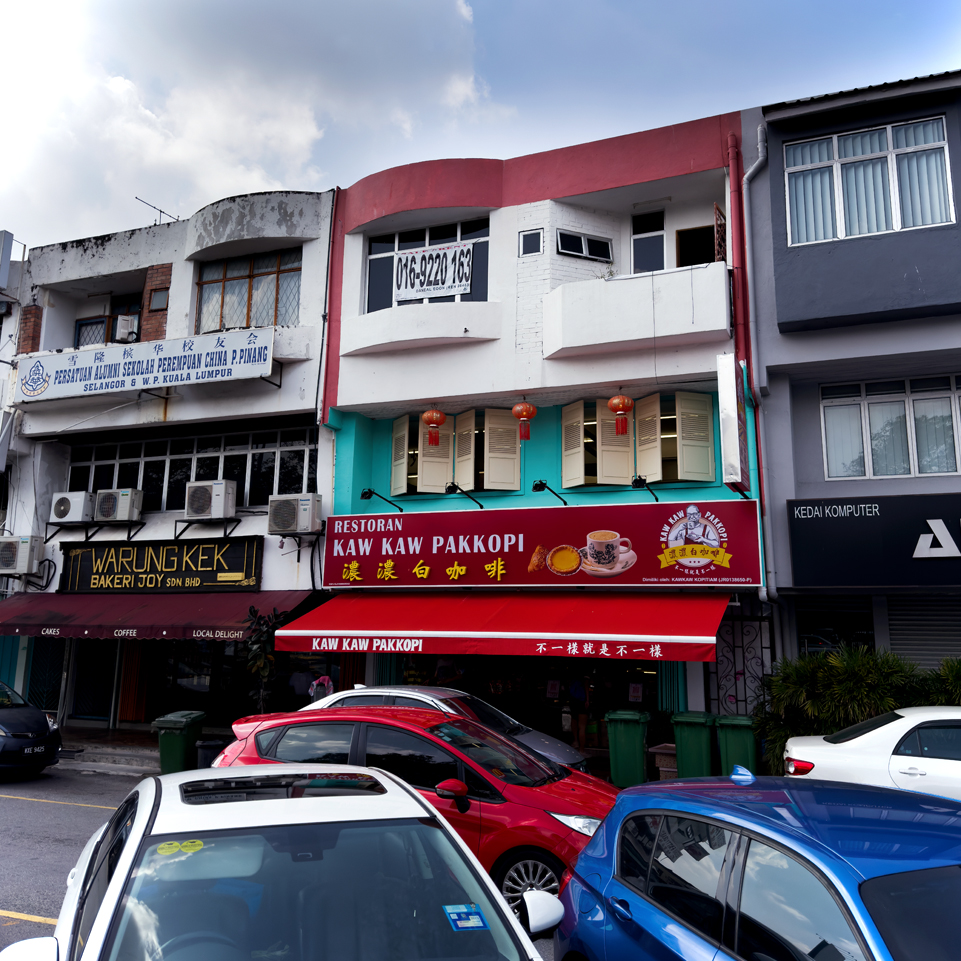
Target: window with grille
(261,290)
(887,178)
(261,462)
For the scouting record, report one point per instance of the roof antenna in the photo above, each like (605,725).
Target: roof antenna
(163,213)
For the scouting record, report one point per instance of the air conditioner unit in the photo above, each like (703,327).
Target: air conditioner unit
(128,325)
(211,500)
(122,504)
(20,555)
(294,514)
(71,507)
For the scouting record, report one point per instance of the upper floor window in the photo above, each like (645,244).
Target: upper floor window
(890,428)
(122,321)
(647,241)
(261,290)
(436,265)
(887,178)
(584,245)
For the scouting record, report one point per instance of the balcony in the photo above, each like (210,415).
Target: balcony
(675,308)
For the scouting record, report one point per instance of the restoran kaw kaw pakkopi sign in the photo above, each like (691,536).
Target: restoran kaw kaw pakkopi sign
(685,544)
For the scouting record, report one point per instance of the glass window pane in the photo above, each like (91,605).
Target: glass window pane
(478,280)
(205,445)
(81,454)
(418,761)
(155,448)
(411,239)
(884,387)
(208,468)
(924,188)
(182,445)
(212,271)
(380,283)
(153,484)
(210,307)
(445,234)
(940,742)
(263,294)
(237,442)
(261,477)
(475,229)
(91,332)
(843,442)
(288,299)
(80,477)
(918,134)
(599,248)
(177,484)
(889,438)
(920,384)
(103,477)
(647,223)
(934,433)
(637,846)
(105,452)
(235,469)
(781,900)
(867,199)
(291,258)
(293,438)
(570,243)
(128,473)
(685,872)
(128,451)
(865,142)
(291,480)
(238,267)
(531,243)
(265,263)
(841,390)
(811,198)
(312,471)
(381,245)
(648,253)
(815,151)
(235,303)
(266,438)
(316,743)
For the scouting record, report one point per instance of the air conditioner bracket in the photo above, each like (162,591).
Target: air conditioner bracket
(92,528)
(230,525)
(299,538)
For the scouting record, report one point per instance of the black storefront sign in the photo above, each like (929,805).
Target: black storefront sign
(225,564)
(907,541)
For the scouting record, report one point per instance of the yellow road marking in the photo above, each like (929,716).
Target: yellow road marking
(27,917)
(18,797)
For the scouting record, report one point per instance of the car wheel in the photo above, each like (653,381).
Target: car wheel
(528,870)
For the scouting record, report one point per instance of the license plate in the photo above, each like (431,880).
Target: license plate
(34,750)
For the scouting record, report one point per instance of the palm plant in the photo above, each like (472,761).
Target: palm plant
(260,651)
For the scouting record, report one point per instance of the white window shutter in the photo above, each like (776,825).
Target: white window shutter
(502,451)
(464,450)
(572,444)
(435,465)
(399,444)
(695,436)
(647,434)
(615,453)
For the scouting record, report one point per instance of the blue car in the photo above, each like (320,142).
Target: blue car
(766,869)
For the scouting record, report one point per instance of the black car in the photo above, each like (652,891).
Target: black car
(29,739)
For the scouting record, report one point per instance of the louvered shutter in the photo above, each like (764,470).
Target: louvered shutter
(435,465)
(695,436)
(464,450)
(615,454)
(647,436)
(572,444)
(398,455)
(502,451)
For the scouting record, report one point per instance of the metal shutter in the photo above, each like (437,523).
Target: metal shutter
(925,630)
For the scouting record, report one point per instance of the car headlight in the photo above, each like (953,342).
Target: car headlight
(577,822)
(51,723)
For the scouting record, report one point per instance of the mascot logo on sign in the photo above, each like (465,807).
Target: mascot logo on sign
(36,381)
(694,541)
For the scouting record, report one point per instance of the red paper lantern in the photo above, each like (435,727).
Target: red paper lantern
(433,419)
(524,412)
(620,406)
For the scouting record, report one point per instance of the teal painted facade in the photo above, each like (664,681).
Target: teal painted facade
(9,655)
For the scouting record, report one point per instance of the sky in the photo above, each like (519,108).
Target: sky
(187,101)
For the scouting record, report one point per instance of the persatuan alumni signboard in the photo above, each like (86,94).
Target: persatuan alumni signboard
(686,544)
(225,356)
(180,566)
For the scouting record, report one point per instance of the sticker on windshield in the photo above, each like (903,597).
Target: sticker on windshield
(191,846)
(168,847)
(466,917)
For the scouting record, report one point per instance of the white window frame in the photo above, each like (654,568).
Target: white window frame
(895,196)
(662,233)
(584,255)
(908,396)
(527,233)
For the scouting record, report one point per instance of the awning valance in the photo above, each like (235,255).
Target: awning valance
(672,627)
(201,616)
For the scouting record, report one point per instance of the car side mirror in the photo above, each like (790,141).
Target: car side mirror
(456,791)
(33,949)
(544,911)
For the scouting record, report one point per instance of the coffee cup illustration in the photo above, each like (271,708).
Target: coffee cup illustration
(605,548)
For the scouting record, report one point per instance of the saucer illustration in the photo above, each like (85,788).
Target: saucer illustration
(624,563)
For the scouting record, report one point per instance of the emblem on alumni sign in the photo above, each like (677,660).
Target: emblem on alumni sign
(36,381)
(694,540)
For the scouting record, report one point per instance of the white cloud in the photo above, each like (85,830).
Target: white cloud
(464,9)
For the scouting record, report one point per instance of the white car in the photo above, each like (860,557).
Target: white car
(914,748)
(301,862)
(451,701)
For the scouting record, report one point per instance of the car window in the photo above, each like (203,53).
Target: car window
(862,727)
(401,701)
(494,754)
(686,871)
(479,788)
(938,741)
(9,697)
(361,700)
(264,739)
(102,870)
(320,743)
(486,713)
(637,845)
(413,759)
(787,912)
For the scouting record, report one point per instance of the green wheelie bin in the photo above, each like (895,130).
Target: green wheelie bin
(178,734)
(693,734)
(735,734)
(627,736)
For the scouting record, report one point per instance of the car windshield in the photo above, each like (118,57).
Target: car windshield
(397,890)
(493,753)
(9,697)
(917,912)
(486,713)
(862,727)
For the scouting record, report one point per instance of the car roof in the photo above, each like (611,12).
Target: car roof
(414,717)
(175,815)
(404,689)
(933,711)
(875,830)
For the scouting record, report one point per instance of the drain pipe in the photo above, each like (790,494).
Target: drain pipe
(769,592)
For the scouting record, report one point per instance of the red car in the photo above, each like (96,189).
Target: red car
(524,818)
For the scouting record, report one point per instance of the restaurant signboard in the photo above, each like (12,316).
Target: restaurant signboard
(683,544)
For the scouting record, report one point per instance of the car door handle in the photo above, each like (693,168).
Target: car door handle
(620,908)
(913,772)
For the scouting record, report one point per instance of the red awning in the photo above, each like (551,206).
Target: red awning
(672,627)
(203,616)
